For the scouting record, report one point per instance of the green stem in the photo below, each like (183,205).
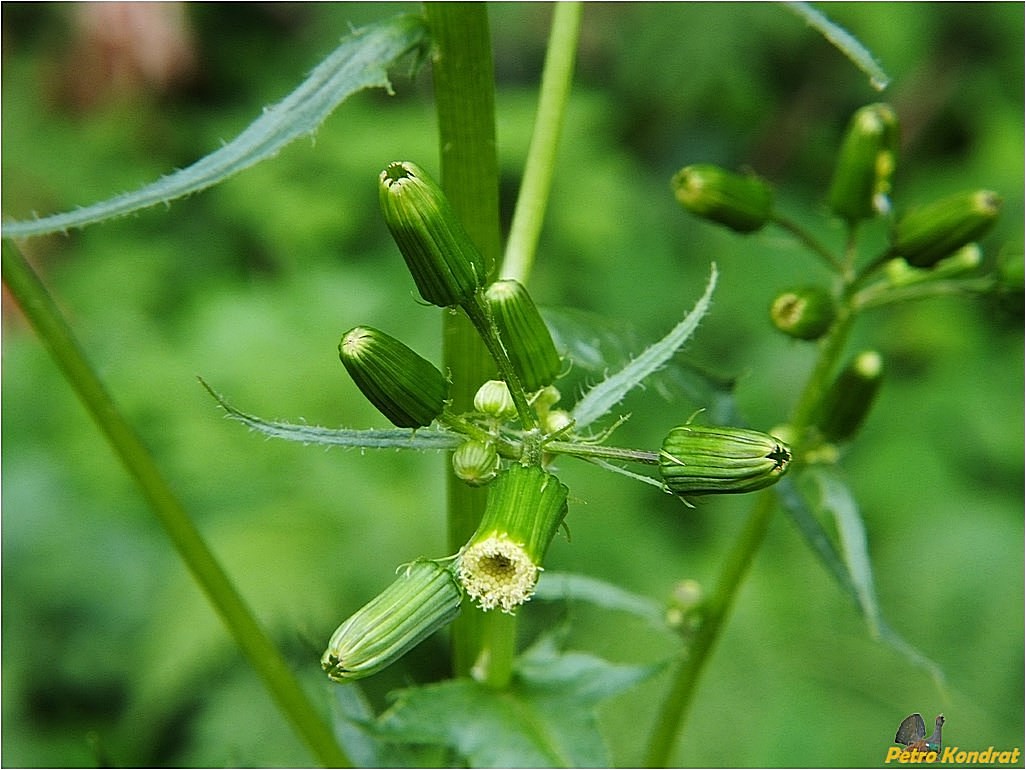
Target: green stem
(670,719)
(541,156)
(53,330)
(809,241)
(465,104)
(578,449)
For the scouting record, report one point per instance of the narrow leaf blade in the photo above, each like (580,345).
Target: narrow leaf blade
(360,62)
(422,439)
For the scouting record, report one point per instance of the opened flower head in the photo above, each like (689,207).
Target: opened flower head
(499,566)
(497,573)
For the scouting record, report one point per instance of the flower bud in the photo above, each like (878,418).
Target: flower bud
(805,313)
(862,178)
(699,460)
(494,399)
(499,566)
(847,401)
(421,601)
(524,334)
(445,264)
(475,462)
(406,388)
(742,203)
(929,233)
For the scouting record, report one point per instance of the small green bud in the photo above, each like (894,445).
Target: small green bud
(865,164)
(494,399)
(742,203)
(446,266)
(929,233)
(406,388)
(475,462)
(700,461)
(524,334)
(805,313)
(422,600)
(847,401)
(556,420)
(499,566)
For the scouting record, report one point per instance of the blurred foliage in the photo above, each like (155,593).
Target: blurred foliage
(111,655)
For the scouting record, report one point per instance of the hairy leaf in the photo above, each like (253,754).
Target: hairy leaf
(360,62)
(608,393)
(392,438)
(844,41)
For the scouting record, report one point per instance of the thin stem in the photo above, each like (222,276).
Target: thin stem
(604,452)
(541,156)
(464,83)
(670,720)
(53,330)
(809,241)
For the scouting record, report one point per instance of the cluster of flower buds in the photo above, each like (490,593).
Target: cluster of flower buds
(698,460)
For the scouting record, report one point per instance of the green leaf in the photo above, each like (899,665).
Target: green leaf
(421,439)
(360,62)
(608,393)
(565,586)
(847,561)
(547,719)
(844,41)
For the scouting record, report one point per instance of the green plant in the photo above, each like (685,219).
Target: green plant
(530,722)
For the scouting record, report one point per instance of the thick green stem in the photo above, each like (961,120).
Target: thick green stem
(52,329)
(541,157)
(464,84)
(670,720)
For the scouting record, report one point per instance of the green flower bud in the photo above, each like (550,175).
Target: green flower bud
(927,234)
(421,601)
(700,461)
(805,313)
(494,399)
(742,203)
(862,178)
(445,264)
(524,334)
(499,566)
(406,388)
(475,462)
(847,401)
(556,420)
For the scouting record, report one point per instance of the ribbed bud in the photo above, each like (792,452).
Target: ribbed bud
(422,600)
(742,203)
(406,388)
(865,164)
(804,313)
(698,460)
(445,264)
(524,334)
(494,399)
(847,401)
(928,234)
(499,566)
(475,462)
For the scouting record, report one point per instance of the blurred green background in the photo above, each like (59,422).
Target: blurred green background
(111,654)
